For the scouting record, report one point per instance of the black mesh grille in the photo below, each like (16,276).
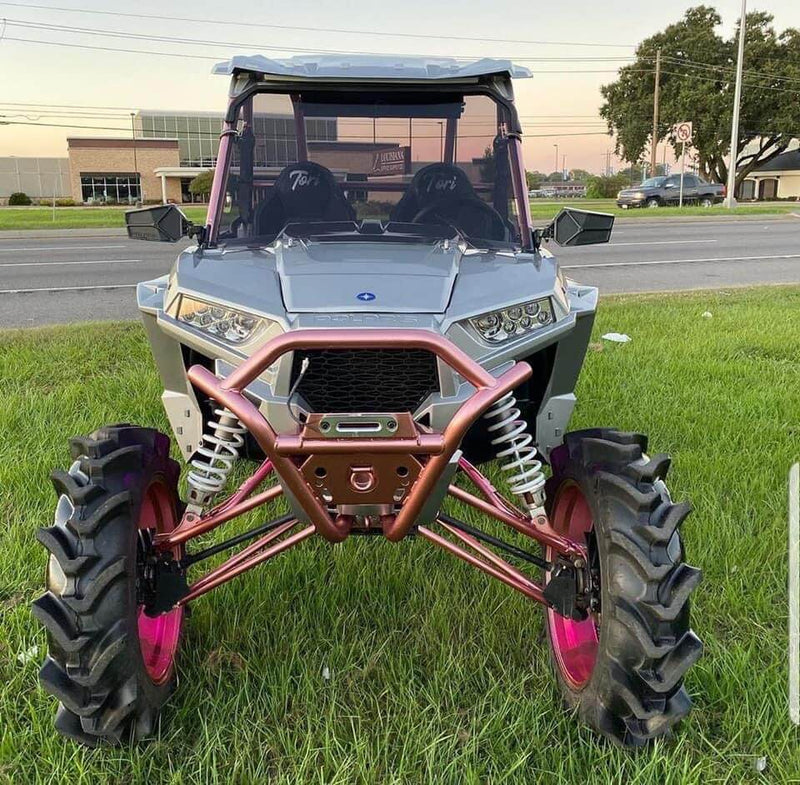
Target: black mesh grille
(366,380)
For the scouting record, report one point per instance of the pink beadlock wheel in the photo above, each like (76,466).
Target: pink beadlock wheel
(158,636)
(574,643)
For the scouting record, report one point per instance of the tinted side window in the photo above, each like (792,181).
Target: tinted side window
(672,182)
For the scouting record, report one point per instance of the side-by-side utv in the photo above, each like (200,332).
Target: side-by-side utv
(370,318)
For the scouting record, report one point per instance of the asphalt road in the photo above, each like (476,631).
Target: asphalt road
(58,279)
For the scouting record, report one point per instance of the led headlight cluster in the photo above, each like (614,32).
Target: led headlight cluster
(221,322)
(514,321)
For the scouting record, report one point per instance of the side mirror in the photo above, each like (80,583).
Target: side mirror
(164,223)
(580,227)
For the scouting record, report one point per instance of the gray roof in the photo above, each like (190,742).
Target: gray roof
(377,67)
(785,162)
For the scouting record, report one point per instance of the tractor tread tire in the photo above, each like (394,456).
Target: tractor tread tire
(635,693)
(95,667)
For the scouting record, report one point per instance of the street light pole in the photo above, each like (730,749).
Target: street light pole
(564,166)
(730,198)
(555,169)
(656,96)
(135,163)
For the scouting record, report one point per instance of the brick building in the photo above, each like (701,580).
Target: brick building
(122,170)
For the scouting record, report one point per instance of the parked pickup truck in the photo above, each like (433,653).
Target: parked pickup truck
(659,191)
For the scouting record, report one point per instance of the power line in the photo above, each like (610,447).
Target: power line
(746,84)
(70,29)
(187,55)
(233,23)
(730,69)
(347,137)
(127,109)
(170,39)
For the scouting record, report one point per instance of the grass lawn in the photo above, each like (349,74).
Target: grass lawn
(20,218)
(437,674)
(545,209)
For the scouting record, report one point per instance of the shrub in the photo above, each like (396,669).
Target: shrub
(373,209)
(19,199)
(201,185)
(606,187)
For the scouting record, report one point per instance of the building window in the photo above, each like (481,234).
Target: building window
(110,188)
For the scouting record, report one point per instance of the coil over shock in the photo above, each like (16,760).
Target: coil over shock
(214,459)
(516,452)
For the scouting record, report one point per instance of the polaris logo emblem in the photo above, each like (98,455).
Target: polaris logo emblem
(365,297)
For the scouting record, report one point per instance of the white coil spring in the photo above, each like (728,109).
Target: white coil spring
(217,453)
(518,453)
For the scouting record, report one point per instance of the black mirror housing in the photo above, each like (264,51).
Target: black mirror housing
(580,227)
(164,223)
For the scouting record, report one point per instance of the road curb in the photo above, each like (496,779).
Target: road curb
(22,234)
(694,219)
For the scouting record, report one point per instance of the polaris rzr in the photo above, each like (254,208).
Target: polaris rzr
(369,316)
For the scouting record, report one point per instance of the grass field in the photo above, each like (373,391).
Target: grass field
(437,675)
(19,218)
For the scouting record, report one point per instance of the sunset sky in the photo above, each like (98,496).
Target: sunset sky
(99,87)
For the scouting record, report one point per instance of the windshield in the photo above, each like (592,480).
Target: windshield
(402,162)
(654,182)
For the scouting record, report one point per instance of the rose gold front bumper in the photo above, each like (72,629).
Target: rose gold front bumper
(430,453)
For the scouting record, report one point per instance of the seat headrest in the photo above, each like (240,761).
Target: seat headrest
(306,188)
(436,181)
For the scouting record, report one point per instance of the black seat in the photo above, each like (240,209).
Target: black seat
(443,193)
(431,184)
(304,191)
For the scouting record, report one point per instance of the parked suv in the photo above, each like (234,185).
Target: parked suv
(659,191)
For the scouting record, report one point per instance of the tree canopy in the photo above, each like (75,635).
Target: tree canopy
(201,185)
(698,68)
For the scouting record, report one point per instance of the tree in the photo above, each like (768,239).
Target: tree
(580,175)
(535,179)
(487,166)
(606,187)
(201,185)
(697,84)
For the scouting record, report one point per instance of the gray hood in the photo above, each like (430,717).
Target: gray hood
(380,277)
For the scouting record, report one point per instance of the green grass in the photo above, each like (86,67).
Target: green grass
(20,218)
(438,675)
(547,209)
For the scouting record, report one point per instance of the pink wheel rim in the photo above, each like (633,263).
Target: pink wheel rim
(574,643)
(158,636)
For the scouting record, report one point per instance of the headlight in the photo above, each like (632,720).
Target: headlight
(638,195)
(221,322)
(514,321)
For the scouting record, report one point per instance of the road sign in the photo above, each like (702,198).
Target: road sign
(683,132)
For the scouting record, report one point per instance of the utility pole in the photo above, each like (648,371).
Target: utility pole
(555,168)
(656,97)
(730,198)
(564,166)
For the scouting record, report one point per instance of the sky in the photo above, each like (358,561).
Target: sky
(559,106)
